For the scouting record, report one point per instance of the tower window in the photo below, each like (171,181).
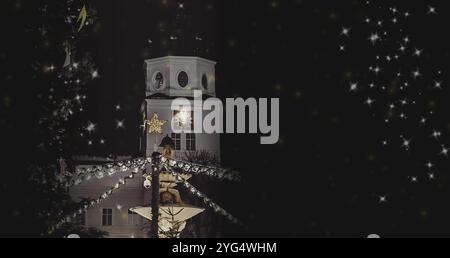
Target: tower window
(205,81)
(183,79)
(191,144)
(159,81)
(107,217)
(177,141)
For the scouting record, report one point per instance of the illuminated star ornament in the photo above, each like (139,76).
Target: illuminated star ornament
(154,125)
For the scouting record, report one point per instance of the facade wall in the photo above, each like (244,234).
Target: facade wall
(124,225)
(162,107)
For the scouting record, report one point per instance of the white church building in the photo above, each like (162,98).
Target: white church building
(167,78)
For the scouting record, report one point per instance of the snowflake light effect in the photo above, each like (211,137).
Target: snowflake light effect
(399,85)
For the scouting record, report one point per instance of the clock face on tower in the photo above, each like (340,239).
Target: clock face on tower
(183,79)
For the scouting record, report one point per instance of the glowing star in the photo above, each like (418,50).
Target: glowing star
(416,74)
(91,127)
(377,70)
(121,124)
(370,101)
(418,52)
(431,10)
(353,87)
(345,31)
(445,151)
(374,38)
(155,125)
(406,144)
(438,85)
(429,165)
(436,134)
(95,74)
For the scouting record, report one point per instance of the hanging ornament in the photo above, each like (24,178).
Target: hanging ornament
(148,183)
(68,51)
(82,17)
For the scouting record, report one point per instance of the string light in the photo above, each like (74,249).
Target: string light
(135,165)
(81,175)
(196,169)
(207,201)
(85,174)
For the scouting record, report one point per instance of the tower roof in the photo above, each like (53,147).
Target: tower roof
(179,58)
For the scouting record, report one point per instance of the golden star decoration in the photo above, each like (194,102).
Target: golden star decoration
(154,125)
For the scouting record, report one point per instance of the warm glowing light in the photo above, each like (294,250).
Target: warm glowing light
(184,118)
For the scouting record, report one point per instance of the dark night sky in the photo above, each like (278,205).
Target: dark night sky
(325,176)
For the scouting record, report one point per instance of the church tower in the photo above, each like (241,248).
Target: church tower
(172,77)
